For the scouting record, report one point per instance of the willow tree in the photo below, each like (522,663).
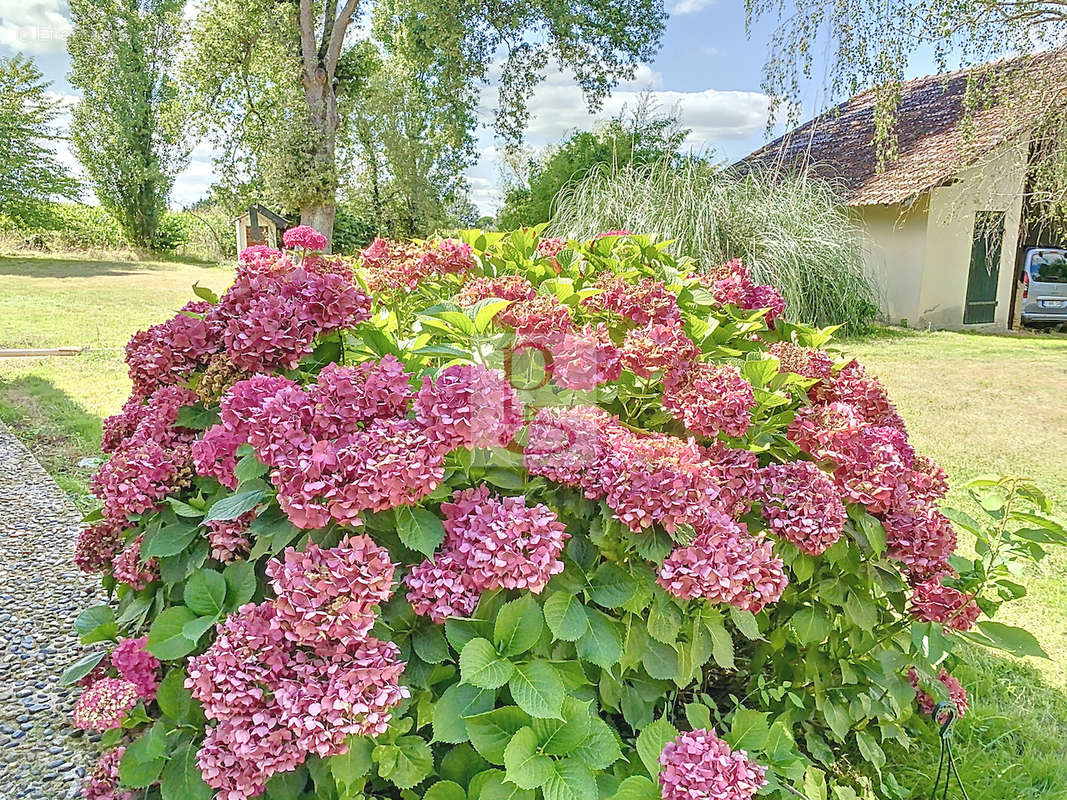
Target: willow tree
(127,129)
(267,76)
(872,43)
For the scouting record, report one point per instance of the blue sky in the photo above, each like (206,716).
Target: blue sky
(707,69)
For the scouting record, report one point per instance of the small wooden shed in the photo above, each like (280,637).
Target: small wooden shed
(259,225)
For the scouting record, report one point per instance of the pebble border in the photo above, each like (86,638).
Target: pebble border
(42,755)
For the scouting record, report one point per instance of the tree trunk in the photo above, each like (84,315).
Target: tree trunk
(322,114)
(320,68)
(320,217)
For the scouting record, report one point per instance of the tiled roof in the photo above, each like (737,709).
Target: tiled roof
(936,136)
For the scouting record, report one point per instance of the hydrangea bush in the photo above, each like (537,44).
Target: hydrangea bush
(510,518)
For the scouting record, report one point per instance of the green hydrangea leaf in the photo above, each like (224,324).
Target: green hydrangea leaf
(481,665)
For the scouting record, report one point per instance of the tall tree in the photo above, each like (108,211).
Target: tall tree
(409,141)
(127,129)
(871,43)
(30,173)
(267,75)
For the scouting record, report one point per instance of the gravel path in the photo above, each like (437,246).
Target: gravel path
(41,592)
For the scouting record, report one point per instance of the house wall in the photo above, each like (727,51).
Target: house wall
(894,250)
(994,184)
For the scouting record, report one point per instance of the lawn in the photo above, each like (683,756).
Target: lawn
(976,403)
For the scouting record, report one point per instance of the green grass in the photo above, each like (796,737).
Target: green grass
(976,403)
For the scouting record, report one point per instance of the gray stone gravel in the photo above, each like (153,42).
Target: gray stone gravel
(41,592)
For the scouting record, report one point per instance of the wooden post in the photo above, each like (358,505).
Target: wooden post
(37,352)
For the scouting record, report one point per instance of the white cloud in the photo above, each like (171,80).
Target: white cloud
(557,108)
(34,26)
(690,6)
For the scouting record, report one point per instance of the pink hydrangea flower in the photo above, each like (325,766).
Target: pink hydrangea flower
(586,359)
(279,428)
(550,246)
(104,705)
(248,653)
(707,399)
(239,755)
(271,334)
(103,782)
(345,398)
(168,353)
(646,302)
(215,455)
(328,700)
(229,539)
(502,542)
(852,385)
(873,468)
(260,257)
(302,488)
(737,475)
(927,705)
(129,569)
(802,505)
(606,234)
(809,362)
(137,665)
(326,598)
(539,321)
(506,287)
(732,284)
(932,601)
(822,428)
(392,265)
(437,589)
(97,546)
(568,445)
(468,406)
(150,420)
(767,297)
(725,564)
(697,765)
(657,348)
(304,237)
(920,538)
(392,463)
(656,479)
(447,257)
(269,320)
(927,482)
(331,301)
(136,479)
(274,699)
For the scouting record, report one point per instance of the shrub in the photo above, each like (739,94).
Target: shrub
(351,231)
(790,229)
(171,233)
(74,226)
(518,518)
